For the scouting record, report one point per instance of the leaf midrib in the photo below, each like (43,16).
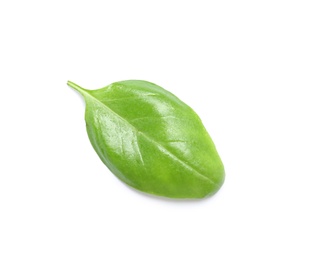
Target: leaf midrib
(161,147)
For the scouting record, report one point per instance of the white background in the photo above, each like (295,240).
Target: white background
(246,69)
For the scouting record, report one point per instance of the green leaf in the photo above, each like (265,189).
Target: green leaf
(151,140)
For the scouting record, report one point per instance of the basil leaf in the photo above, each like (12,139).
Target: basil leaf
(151,140)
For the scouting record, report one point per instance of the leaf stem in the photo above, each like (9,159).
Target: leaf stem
(76,87)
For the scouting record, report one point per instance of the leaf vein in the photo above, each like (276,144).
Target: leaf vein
(161,147)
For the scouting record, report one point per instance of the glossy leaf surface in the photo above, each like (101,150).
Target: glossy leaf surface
(151,140)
